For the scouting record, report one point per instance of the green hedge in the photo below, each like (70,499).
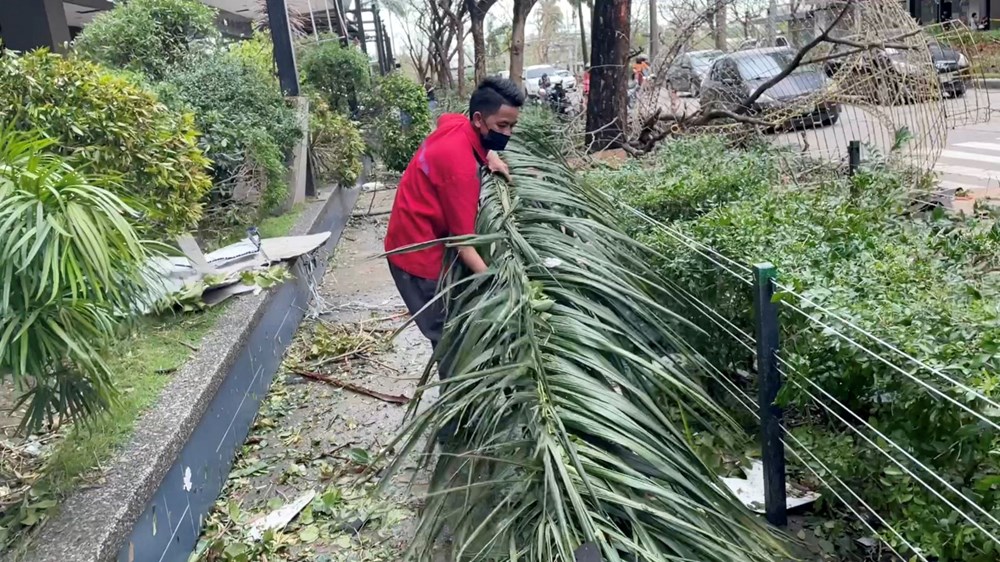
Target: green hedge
(248,131)
(338,74)
(930,285)
(335,145)
(106,123)
(397,118)
(148,36)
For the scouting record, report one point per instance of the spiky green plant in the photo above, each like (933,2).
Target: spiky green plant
(71,271)
(573,393)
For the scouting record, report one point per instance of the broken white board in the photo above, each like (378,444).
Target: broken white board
(220,271)
(750,491)
(281,517)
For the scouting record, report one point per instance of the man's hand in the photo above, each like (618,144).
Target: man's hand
(471,258)
(497,165)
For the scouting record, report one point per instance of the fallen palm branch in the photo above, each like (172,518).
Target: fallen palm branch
(573,394)
(392,399)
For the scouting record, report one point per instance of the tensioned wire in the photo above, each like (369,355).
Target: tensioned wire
(715,317)
(717,258)
(747,402)
(896,446)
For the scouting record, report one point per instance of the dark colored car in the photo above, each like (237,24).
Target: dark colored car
(735,76)
(901,74)
(689,70)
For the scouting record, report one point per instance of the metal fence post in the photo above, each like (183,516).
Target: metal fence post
(769,382)
(853,157)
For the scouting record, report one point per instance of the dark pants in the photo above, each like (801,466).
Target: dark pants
(416,293)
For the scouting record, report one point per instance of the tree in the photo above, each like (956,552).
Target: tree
(654,32)
(549,23)
(456,15)
(740,109)
(607,106)
(578,5)
(477,18)
(521,10)
(721,15)
(498,46)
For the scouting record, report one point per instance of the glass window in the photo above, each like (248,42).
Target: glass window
(704,60)
(537,72)
(761,66)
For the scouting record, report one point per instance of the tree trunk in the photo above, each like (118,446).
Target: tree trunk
(460,35)
(478,45)
(721,42)
(583,32)
(654,33)
(607,106)
(477,17)
(521,10)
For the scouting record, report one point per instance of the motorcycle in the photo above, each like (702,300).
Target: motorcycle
(558,100)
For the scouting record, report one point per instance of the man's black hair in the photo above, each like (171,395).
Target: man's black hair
(494,92)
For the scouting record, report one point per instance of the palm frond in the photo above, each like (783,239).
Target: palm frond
(570,387)
(72,269)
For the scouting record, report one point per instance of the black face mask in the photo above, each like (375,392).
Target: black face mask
(495,140)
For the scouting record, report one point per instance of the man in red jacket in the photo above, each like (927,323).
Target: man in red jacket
(438,197)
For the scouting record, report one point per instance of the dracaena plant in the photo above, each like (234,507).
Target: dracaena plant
(72,270)
(573,394)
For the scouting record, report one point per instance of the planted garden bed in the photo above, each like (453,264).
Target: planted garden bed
(854,248)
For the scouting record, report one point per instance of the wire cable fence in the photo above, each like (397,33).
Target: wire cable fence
(858,431)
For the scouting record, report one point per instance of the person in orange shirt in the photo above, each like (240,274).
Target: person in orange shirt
(586,84)
(640,69)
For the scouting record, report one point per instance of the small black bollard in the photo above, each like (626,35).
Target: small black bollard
(769,382)
(853,157)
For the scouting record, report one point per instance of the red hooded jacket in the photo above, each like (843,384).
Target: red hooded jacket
(437,197)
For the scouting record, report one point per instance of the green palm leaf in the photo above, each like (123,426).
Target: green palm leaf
(571,387)
(72,269)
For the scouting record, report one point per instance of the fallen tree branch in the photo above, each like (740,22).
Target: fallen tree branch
(370,214)
(398,399)
(796,61)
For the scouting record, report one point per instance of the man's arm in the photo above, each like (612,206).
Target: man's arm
(471,258)
(497,165)
(459,196)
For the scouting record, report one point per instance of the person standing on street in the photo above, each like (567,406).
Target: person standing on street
(640,70)
(431,95)
(438,197)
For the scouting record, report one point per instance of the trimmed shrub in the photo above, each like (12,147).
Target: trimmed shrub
(335,145)
(107,123)
(248,131)
(334,72)
(398,119)
(257,52)
(147,36)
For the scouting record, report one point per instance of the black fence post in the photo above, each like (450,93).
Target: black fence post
(853,157)
(769,382)
(284,52)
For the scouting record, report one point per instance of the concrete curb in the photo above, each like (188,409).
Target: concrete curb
(988,84)
(160,487)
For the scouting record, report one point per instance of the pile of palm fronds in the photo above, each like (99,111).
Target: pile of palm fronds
(574,395)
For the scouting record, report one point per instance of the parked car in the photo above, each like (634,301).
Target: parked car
(533,74)
(735,76)
(779,41)
(901,74)
(689,69)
